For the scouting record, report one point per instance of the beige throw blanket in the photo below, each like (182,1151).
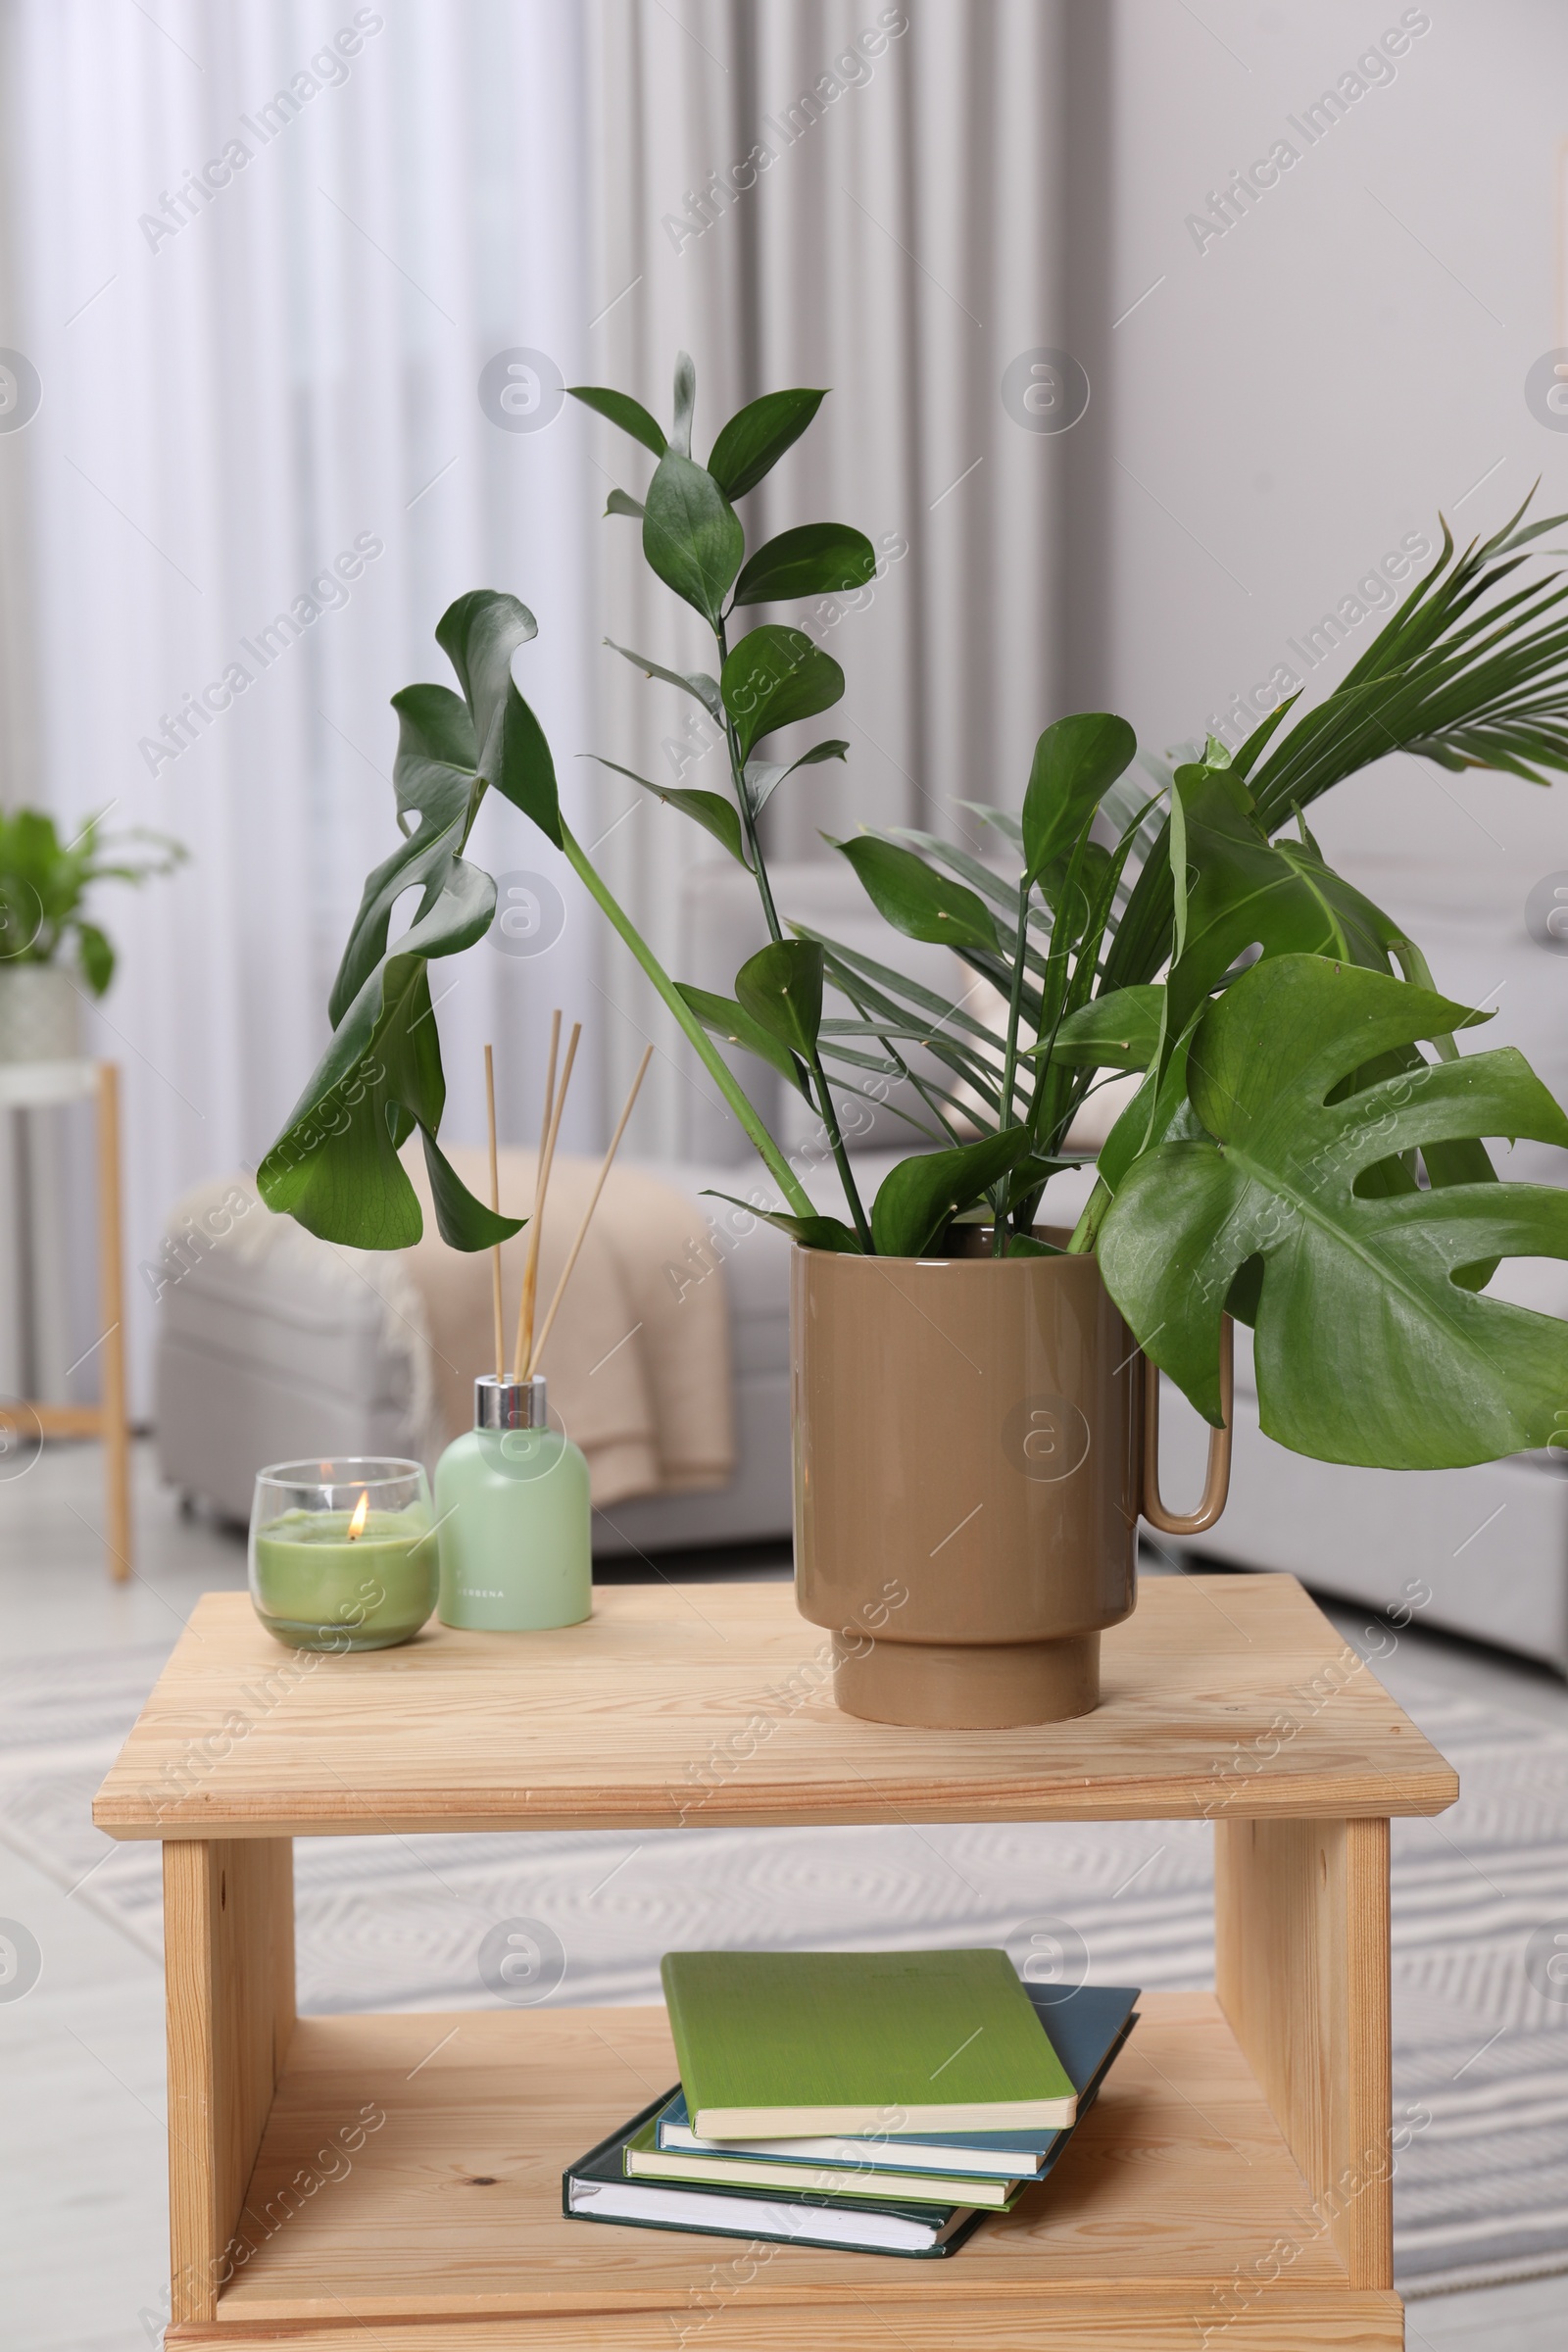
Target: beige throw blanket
(638,1361)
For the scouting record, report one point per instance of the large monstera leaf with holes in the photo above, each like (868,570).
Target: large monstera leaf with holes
(335,1167)
(1368,1348)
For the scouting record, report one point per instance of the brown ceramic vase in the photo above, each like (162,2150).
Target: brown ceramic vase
(969,1470)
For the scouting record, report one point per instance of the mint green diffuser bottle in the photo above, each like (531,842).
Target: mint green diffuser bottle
(512,1511)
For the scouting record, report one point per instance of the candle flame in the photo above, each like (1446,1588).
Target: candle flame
(357,1523)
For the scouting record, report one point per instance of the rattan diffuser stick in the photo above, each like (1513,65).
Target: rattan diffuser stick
(495,1203)
(554,1105)
(582,1229)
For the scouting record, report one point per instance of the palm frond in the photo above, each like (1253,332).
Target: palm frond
(1460,674)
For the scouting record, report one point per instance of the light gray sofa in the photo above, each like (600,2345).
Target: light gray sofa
(258,1365)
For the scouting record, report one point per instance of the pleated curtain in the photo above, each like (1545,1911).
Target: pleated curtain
(230,404)
(836,193)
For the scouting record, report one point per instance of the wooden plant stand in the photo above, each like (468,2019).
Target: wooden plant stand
(28,1086)
(1229,2188)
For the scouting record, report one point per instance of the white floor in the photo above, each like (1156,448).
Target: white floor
(82,2213)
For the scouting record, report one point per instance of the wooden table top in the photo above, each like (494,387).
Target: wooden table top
(704,1705)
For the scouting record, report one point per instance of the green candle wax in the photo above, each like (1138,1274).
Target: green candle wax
(317,1586)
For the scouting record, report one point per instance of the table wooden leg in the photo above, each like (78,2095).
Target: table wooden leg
(228,1961)
(113,1411)
(1301,1969)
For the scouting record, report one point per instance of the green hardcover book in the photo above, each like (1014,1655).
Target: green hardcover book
(784,2045)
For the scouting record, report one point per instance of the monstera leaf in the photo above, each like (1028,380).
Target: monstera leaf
(1368,1347)
(335,1166)
(1246,891)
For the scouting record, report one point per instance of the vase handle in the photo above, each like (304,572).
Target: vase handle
(1217,1480)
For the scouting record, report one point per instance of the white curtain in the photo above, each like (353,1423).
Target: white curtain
(842,193)
(242,383)
(239,388)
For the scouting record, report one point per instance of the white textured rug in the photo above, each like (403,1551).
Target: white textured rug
(390,1923)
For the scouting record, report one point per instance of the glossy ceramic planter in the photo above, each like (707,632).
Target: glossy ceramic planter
(969,1470)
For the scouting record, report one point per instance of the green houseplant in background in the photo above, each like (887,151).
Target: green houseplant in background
(47,944)
(1292,1155)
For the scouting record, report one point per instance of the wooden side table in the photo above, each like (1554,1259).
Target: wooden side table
(396,2181)
(36,1085)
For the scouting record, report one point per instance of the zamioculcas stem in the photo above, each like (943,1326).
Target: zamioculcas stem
(814,1060)
(1085,1234)
(717,1068)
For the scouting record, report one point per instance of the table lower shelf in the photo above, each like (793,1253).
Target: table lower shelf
(1178,2202)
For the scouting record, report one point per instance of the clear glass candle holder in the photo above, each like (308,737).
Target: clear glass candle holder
(343,1554)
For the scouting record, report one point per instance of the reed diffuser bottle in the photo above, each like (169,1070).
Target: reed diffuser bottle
(512,1500)
(511,1494)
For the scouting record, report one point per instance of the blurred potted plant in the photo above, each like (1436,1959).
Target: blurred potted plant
(49,950)
(968,1405)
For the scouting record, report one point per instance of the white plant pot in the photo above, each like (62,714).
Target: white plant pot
(40,1013)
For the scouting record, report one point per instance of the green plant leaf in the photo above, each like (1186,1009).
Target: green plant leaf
(1159,1111)
(706,1051)
(463,1222)
(773,677)
(815,560)
(722,1017)
(1458,675)
(756,436)
(97,956)
(479,634)
(813,1233)
(915,898)
(918,1200)
(1031,1175)
(765,776)
(680,437)
(781,988)
(1076,762)
(335,1167)
(1118,1032)
(710,810)
(1246,891)
(630,414)
(691,535)
(695,682)
(1367,1349)
(620,502)
(436,779)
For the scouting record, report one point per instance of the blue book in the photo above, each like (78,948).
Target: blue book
(1086,2028)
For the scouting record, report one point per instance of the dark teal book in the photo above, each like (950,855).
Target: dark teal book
(596,2189)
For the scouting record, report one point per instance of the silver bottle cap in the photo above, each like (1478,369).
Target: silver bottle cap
(509,1403)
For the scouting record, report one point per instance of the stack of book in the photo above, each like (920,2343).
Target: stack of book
(882,2101)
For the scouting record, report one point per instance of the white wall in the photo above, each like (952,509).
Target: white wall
(1305,390)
